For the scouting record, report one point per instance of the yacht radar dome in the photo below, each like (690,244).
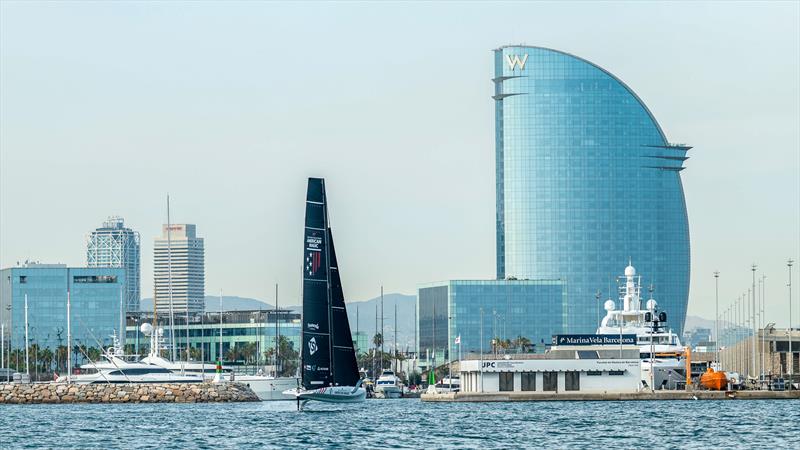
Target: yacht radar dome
(146,328)
(630,271)
(609,305)
(652,304)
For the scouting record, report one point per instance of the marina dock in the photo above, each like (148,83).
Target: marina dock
(26,393)
(608,396)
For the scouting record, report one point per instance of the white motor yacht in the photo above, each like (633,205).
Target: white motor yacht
(389,384)
(266,387)
(116,369)
(661,352)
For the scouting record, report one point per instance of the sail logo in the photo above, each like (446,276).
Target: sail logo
(312,346)
(514,60)
(313,261)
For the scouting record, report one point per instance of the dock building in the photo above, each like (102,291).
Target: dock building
(580,368)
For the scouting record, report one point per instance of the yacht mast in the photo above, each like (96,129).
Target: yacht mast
(395,336)
(169,285)
(220,327)
(277,334)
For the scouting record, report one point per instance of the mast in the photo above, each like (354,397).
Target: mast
(27,360)
(169,285)
(383,337)
(69,335)
(122,332)
(277,333)
(220,327)
(395,335)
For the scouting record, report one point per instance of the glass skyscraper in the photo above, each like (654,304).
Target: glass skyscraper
(115,245)
(586,182)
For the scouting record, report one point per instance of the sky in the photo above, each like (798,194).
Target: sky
(106,107)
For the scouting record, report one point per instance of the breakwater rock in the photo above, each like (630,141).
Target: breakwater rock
(126,393)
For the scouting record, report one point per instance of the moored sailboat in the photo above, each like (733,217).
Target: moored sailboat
(329,371)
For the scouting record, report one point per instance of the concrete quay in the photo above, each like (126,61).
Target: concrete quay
(36,393)
(608,396)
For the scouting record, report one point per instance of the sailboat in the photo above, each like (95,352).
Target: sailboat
(329,372)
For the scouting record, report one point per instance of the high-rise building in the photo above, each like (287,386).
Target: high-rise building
(96,296)
(586,183)
(179,270)
(115,245)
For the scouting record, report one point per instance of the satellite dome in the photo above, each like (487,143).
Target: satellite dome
(609,305)
(630,271)
(651,304)
(146,328)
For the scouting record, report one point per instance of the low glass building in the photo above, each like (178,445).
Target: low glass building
(97,310)
(506,316)
(248,337)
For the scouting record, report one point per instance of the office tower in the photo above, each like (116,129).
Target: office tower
(179,270)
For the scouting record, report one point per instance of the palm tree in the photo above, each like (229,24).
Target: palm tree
(377,340)
(93,353)
(61,358)
(523,343)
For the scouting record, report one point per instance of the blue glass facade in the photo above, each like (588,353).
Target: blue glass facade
(586,182)
(95,295)
(533,309)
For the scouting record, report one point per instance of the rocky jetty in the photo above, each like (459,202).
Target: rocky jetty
(125,393)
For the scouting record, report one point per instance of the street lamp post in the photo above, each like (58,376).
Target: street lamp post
(755,326)
(791,356)
(716,317)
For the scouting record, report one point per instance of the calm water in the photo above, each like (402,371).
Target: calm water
(407,423)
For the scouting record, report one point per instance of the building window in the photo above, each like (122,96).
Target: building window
(506,381)
(550,381)
(94,279)
(616,372)
(23,279)
(529,381)
(594,373)
(572,381)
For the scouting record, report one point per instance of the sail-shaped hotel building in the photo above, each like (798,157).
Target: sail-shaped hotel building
(586,182)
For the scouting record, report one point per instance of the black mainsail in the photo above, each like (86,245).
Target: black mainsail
(328,358)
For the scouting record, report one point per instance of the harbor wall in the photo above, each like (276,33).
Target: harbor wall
(26,393)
